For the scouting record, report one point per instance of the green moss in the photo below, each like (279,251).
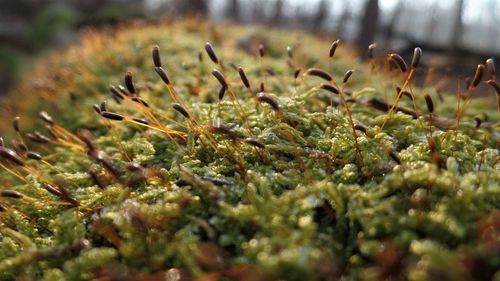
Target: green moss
(201,203)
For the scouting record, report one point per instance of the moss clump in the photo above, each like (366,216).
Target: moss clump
(251,187)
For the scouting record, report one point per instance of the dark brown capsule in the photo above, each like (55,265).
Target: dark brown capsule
(41,136)
(66,196)
(347,75)
(51,189)
(129,83)
(96,179)
(51,131)
(495,86)
(360,128)
(140,100)
(261,50)
(10,194)
(233,66)
(394,156)
(329,88)
(143,102)
(33,155)
(478,75)
(490,65)
(96,108)
(417,55)
(255,142)
(289,52)
(371,50)
(86,137)
(262,87)
(380,104)
(123,90)
(15,123)
(222,92)
(11,156)
(333,48)
(116,99)
(115,92)
(262,97)
(478,121)
(399,61)
(210,51)
(46,117)
(134,167)
(297,72)
(112,115)
(244,77)
(103,106)
(35,138)
(156,56)
(407,94)
(149,86)
(104,160)
(140,120)
(222,129)
(216,181)
(163,75)
(429,102)
(270,71)
(319,73)
(200,56)
(181,110)
(218,75)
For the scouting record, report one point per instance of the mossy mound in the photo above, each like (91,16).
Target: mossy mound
(164,181)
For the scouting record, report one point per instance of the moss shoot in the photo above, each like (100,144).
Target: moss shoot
(192,151)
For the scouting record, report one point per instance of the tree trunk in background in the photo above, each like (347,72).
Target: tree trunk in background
(192,7)
(456,36)
(368,26)
(92,6)
(458,26)
(277,16)
(233,10)
(342,22)
(257,11)
(390,31)
(321,15)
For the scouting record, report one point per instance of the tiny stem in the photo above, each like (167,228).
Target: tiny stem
(351,122)
(398,96)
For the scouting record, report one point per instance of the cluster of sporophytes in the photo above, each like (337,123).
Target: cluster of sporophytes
(261,155)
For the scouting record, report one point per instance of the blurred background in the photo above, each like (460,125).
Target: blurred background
(455,34)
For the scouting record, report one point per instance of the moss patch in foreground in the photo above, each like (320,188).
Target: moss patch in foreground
(166,180)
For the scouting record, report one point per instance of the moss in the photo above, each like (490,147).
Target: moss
(242,191)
